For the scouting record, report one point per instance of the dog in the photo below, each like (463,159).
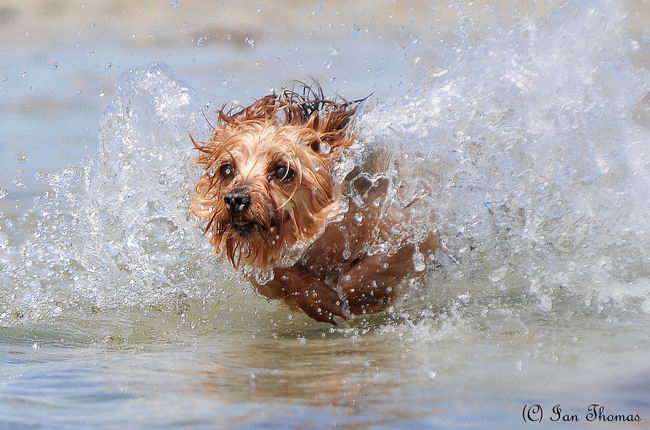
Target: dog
(275,209)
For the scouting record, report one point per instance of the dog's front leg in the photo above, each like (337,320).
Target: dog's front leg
(301,289)
(318,300)
(371,284)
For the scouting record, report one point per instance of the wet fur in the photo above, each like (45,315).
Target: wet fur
(306,133)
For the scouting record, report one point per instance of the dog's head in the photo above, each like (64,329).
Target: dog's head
(268,180)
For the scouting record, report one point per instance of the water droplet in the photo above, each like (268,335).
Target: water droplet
(439,72)
(108,66)
(101,93)
(418,262)
(53,65)
(228,81)
(498,274)
(22,158)
(464,297)
(250,42)
(335,51)
(324,147)
(432,374)
(91,26)
(3,193)
(173,3)
(23,74)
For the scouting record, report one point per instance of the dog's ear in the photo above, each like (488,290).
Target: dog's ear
(331,129)
(329,122)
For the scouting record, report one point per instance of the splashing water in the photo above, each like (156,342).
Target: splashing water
(115,230)
(542,173)
(540,185)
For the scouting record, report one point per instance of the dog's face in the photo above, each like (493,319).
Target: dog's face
(267,181)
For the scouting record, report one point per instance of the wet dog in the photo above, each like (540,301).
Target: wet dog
(275,209)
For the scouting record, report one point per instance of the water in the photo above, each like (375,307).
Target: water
(114,311)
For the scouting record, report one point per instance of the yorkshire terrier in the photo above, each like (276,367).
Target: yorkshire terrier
(274,206)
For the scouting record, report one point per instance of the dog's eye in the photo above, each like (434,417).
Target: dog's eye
(226,171)
(282,173)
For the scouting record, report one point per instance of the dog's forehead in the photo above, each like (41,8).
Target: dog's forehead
(268,142)
(260,149)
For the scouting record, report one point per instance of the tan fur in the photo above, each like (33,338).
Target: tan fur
(276,131)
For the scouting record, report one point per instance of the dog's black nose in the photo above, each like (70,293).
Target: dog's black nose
(237,201)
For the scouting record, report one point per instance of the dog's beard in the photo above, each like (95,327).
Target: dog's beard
(244,227)
(256,236)
(277,216)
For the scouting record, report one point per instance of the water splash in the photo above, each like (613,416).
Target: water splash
(114,230)
(542,173)
(539,185)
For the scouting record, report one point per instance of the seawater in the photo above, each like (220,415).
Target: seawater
(113,309)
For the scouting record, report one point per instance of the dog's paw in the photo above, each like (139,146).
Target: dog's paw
(322,303)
